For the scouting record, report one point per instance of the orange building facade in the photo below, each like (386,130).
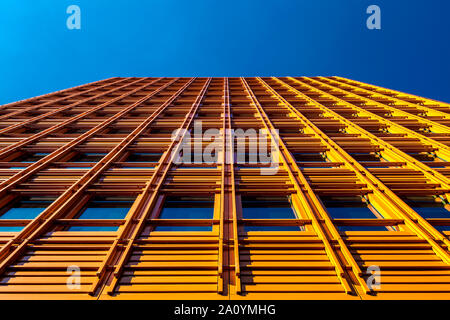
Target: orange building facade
(225,189)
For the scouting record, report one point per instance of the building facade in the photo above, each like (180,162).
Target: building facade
(225,188)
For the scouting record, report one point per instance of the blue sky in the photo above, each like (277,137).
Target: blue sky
(223,38)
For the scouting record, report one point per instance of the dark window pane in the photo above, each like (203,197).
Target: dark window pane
(362,228)
(428,207)
(267,208)
(144,157)
(24,208)
(103,208)
(183,228)
(27,208)
(11,229)
(271,228)
(22,213)
(310,157)
(442,228)
(432,212)
(187,208)
(88,157)
(362,212)
(77,131)
(365,156)
(92,228)
(119,131)
(423,156)
(104,213)
(351,208)
(30,157)
(186,213)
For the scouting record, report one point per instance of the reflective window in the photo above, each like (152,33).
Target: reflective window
(351,208)
(423,156)
(23,208)
(310,157)
(26,208)
(30,157)
(187,208)
(144,157)
(103,208)
(88,157)
(77,131)
(268,208)
(428,207)
(366,157)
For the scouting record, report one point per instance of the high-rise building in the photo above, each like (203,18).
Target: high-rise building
(225,188)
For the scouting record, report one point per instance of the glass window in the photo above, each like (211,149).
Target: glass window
(442,228)
(271,228)
(198,168)
(24,208)
(119,131)
(31,157)
(187,208)
(196,159)
(77,131)
(423,156)
(268,208)
(436,211)
(104,208)
(144,157)
(366,157)
(161,131)
(32,130)
(362,228)
(351,208)
(310,157)
(428,207)
(10,229)
(88,157)
(249,157)
(27,208)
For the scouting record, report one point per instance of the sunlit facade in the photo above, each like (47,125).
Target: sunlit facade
(348,200)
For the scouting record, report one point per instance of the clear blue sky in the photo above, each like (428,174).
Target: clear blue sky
(223,38)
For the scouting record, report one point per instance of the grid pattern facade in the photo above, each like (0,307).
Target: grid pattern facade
(344,147)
